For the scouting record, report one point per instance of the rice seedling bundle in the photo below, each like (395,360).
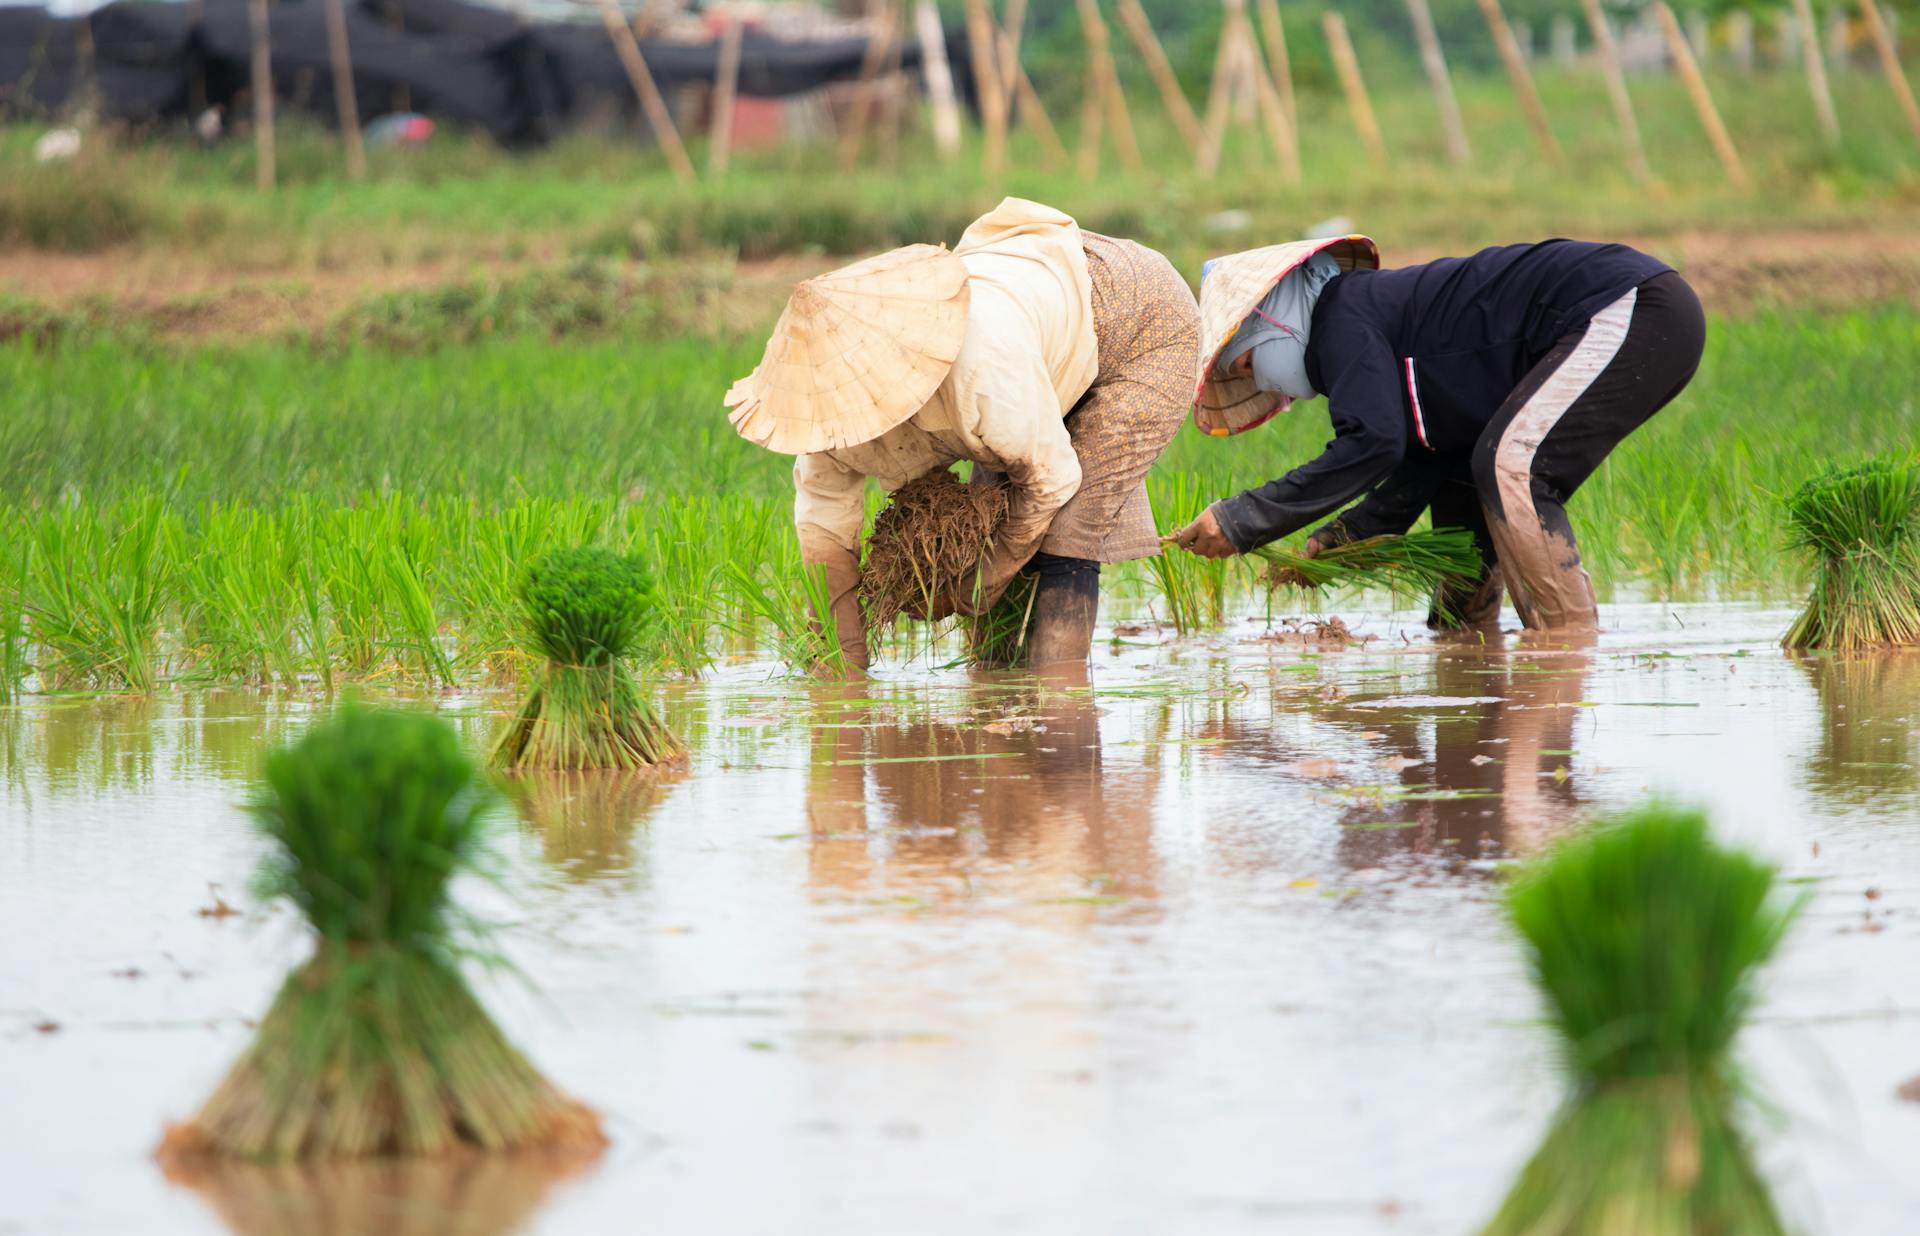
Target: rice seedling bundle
(1862,524)
(927,543)
(1418,562)
(376,1046)
(1644,938)
(997,639)
(586,612)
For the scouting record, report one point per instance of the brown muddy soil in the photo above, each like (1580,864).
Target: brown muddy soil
(199,297)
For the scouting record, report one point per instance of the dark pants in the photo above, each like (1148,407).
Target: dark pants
(1594,388)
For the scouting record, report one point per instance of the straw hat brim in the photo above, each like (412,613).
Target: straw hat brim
(1232,287)
(856,352)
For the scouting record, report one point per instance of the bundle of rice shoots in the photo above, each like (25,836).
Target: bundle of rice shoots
(1644,937)
(1863,526)
(586,611)
(927,543)
(1428,562)
(997,639)
(376,1046)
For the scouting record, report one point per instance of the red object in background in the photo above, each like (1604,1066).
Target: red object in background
(757,123)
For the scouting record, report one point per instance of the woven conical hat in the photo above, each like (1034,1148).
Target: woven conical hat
(1232,287)
(856,352)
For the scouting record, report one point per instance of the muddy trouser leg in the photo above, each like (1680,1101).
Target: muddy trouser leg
(1065,603)
(1456,504)
(1593,389)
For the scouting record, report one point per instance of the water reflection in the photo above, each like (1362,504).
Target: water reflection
(1001,791)
(586,821)
(1870,726)
(463,1195)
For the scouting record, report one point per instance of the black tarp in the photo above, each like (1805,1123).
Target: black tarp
(521,81)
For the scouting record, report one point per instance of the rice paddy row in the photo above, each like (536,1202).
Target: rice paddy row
(267,514)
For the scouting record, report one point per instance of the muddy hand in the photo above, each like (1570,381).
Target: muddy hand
(1203,537)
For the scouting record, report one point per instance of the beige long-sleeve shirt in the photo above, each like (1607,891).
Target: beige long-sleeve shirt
(1027,358)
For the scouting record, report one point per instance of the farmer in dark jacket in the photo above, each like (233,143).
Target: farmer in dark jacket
(1483,389)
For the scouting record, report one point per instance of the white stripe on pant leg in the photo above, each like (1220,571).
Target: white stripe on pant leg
(1526,537)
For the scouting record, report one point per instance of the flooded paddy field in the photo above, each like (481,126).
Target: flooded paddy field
(1214,945)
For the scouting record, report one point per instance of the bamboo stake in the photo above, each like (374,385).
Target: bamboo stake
(343,95)
(1348,66)
(1522,80)
(986,90)
(1890,64)
(1140,30)
(1093,105)
(1275,35)
(895,95)
(628,49)
(1032,111)
(1213,129)
(1617,90)
(1115,101)
(720,135)
(933,58)
(855,133)
(1012,32)
(1697,91)
(1284,138)
(1435,62)
(1816,69)
(261,53)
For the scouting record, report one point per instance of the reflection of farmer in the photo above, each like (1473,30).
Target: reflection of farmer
(1058,357)
(1485,389)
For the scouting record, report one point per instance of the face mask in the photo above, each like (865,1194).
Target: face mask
(1280,367)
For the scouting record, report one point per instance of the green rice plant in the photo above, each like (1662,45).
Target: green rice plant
(97,588)
(13,615)
(1862,525)
(376,1046)
(1644,938)
(586,612)
(803,641)
(1194,589)
(997,639)
(1420,563)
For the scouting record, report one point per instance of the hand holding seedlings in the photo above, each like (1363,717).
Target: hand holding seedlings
(1204,537)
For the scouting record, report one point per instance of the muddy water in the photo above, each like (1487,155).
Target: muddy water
(1215,947)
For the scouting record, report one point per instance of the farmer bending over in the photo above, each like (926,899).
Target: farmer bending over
(1483,389)
(1057,357)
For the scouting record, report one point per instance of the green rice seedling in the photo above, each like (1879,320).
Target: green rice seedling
(1417,563)
(97,590)
(586,612)
(997,639)
(1862,524)
(1644,938)
(376,1046)
(807,643)
(13,616)
(1193,589)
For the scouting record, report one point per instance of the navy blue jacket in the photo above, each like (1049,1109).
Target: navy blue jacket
(1420,358)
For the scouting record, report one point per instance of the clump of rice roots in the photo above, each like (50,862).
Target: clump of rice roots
(1862,525)
(586,611)
(1428,562)
(376,1046)
(1644,938)
(927,543)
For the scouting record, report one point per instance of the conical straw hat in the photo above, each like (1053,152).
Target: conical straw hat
(857,352)
(1230,289)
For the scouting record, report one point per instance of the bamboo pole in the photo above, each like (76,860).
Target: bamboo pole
(1093,105)
(1521,78)
(1119,118)
(1355,86)
(1275,35)
(1140,30)
(1617,94)
(986,90)
(261,54)
(854,135)
(343,93)
(1012,33)
(1697,91)
(933,58)
(720,135)
(1816,69)
(1032,110)
(1435,62)
(1213,129)
(1281,134)
(1890,64)
(628,49)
